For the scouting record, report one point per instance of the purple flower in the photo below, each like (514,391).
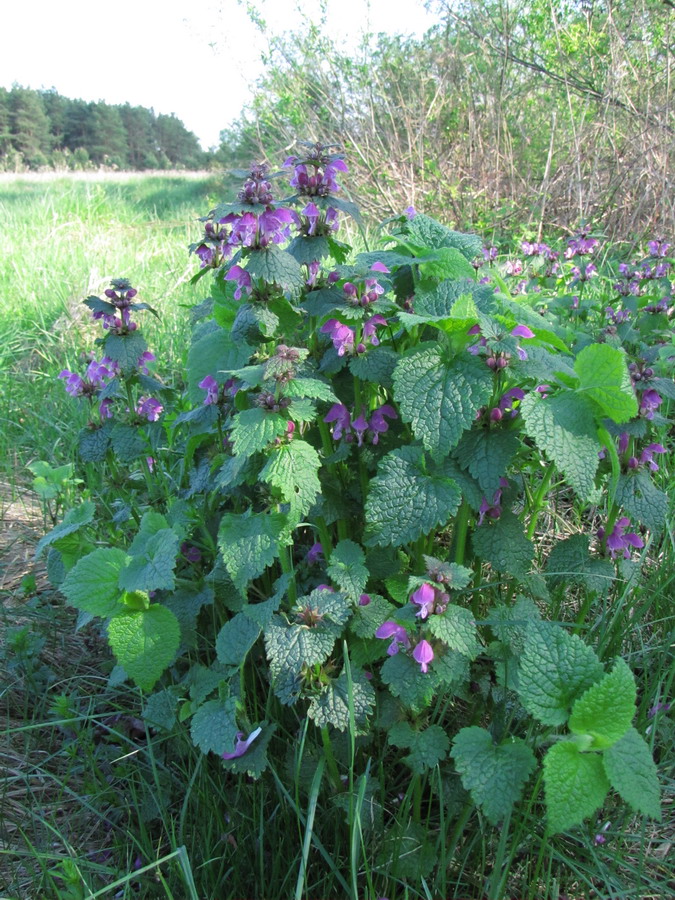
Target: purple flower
(522,331)
(364,600)
(313,554)
(617,541)
(514,267)
(490,253)
(397,633)
(150,460)
(190,552)
(647,455)
(242,744)
(409,212)
(378,424)
(341,335)
(242,278)
(423,654)
(492,510)
(543,389)
(143,360)
(658,247)
(370,327)
(360,426)
(507,401)
(244,229)
(659,707)
(339,414)
(149,408)
(210,385)
(312,212)
(104,409)
(424,597)
(649,403)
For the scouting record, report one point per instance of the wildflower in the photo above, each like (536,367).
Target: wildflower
(210,385)
(378,424)
(514,267)
(647,455)
(339,414)
(95,377)
(242,278)
(143,360)
(104,409)
(370,327)
(397,633)
(649,403)
(242,744)
(423,654)
(618,541)
(150,460)
(430,599)
(313,554)
(274,226)
(360,426)
(149,408)
(490,253)
(581,244)
(600,838)
(492,510)
(364,600)
(190,552)
(409,212)
(341,335)
(507,404)
(658,247)
(659,707)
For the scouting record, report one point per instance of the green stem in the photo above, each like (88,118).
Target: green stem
(330,758)
(461,531)
(538,501)
(287,568)
(324,536)
(360,406)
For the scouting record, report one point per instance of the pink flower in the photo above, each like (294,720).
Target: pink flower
(242,744)
(423,654)
(397,633)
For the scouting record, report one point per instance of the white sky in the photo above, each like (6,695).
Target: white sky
(195,59)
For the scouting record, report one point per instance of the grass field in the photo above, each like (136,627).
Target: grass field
(94,804)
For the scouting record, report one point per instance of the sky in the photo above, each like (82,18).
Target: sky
(198,60)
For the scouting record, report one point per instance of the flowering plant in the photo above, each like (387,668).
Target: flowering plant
(336,512)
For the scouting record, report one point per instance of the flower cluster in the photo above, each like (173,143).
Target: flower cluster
(618,541)
(95,377)
(581,244)
(499,359)
(360,427)
(344,337)
(492,510)
(314,174)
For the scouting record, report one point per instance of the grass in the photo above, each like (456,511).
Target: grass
(96,804)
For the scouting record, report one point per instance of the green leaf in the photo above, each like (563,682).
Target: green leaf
(125,349)
(73,520)
(414,688)
(632,773)
(510,623)
(451,669)
(128,443)
(459,300)
(292,646)
(570,562)
(254,429)
(487,453)
(376,366)
(152,563)
(159,710)
(92,585)
(456,628)
(312,388)
(404,502)
(440,399)
(249,544)
(605,711)
(555,669)
(145,642)
(446,263)
(427,232)
(503,544)
(367,619)
(235,639)
(93,443)
(186,604)
(293,469)
(604,377)
(494,774)
(427,748)
(563,427)
(346,568)
(214,353)
(214,726)
(575,786)
(331,707)
(254,322)
(306,249)
(642,500)
(276,266)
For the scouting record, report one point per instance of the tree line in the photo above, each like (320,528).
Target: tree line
(41,128)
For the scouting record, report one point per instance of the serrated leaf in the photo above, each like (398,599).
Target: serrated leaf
(564,428)
(145,642)
(642,500)
(555,669)
(127,443)
(457,629)
(310,387)
(235,639)
(331,707)
(346,568)
(186,604)
(73,520)
(254,322)
(92,585)
(276,266)
(290,647)
(487,453)
(306,249)
(571,562)
(446,263)
(604,377)
(367,619)
(322,302)
(427,232)
(503,544)
(451,669)
(214,726)
(461,300)
(151,567)
(575,786)
(403,502)
(440,399)
(510,623)
(427,748)
(632,773)
(159,710)
(293,469)
(402,674)
(605,711)
(249,544)
(93,443)
(254,429)
(493,773)
(125,349)
(214,353)
(376,366)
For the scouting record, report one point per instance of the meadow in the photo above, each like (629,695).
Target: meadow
(100,800)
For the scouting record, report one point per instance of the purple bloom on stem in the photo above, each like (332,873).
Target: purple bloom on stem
(150,460)
(190,552)
(149,408)
(397,633)
(364,600)
(311,211)
(379,267)
(409,212)
(649,403)
(423,654)
(104,408)
(341,335)
(659,707)
(242,744)
(339,414)
(313,554)
(424,597)
(658,247)
(490,253)
(522,331)
(514,267)
(647,455)
(74,383)
(360,426)
(624,439)
(543,389)
(143,360)
(210,385)
(378,424)
(507,401)
(242,278)
(617,541)
(370,328)
(244,230)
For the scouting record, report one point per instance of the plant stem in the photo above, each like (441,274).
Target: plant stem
(461,531)
(538,501)
(330,758)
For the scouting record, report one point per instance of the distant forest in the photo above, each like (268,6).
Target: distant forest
(42,129)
